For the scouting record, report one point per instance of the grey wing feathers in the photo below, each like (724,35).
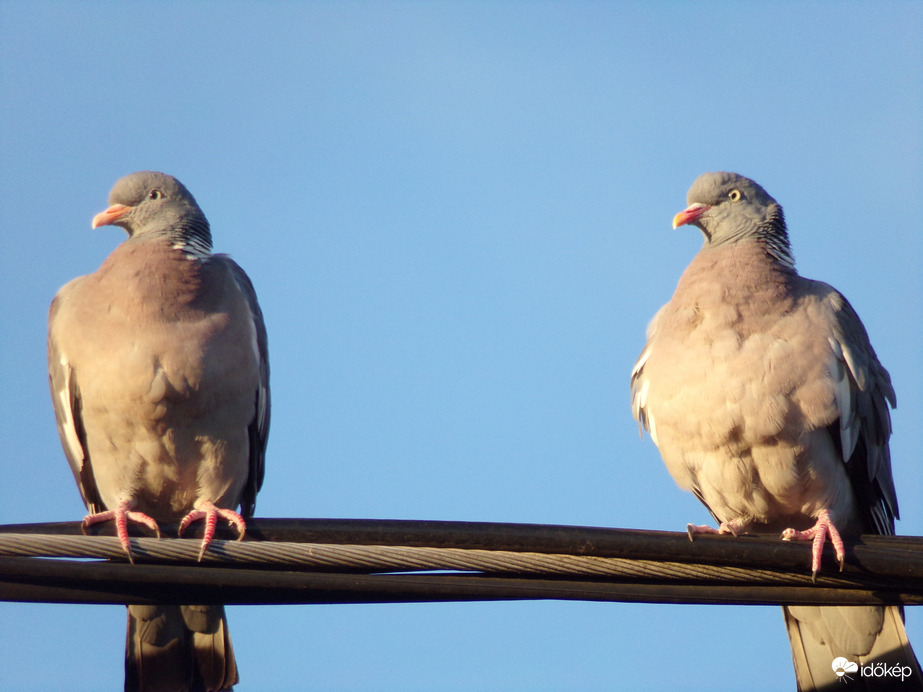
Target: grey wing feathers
(65,396)
(863,393)
(639,391)
(259,427)
(640,385)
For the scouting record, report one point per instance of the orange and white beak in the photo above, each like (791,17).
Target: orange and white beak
(690,214)
(111,215)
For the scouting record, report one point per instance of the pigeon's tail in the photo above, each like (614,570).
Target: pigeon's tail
(178,649)
(864,646)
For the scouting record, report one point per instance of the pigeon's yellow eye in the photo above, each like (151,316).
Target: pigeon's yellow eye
(734,195)
(155,194)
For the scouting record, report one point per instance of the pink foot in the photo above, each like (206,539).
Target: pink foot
(818,534)
(210,513)
(122,515)
(725,527)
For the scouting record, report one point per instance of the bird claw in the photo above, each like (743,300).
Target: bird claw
(818,534)
(724,528)
(210,513)
(122,514)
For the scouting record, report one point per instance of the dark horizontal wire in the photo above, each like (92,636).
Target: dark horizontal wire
(584,563)
(894,555)
(59,581)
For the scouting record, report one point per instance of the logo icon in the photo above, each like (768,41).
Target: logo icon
(841,666)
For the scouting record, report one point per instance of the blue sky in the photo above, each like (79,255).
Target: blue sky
(457,218)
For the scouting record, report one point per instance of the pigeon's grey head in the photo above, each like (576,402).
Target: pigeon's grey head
(729,208)
(156,204)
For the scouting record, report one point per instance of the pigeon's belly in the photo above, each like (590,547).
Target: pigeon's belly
(730,414)
(166,423)
(151,444)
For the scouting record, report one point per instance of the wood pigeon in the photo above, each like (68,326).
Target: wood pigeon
(159,377)
(765,398)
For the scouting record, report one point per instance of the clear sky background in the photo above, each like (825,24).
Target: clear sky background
(457,218)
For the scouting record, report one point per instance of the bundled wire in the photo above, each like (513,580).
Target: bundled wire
(287,561)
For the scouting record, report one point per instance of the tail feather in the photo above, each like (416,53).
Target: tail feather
(871,637)
(178,649)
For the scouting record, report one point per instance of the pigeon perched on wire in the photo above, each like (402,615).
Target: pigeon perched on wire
(159,377)
(765,398)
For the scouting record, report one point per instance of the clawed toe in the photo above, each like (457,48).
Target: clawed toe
(210,513)
(122,514)
(818,534)
(724,528)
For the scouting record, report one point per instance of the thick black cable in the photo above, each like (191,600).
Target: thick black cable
(879,569)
